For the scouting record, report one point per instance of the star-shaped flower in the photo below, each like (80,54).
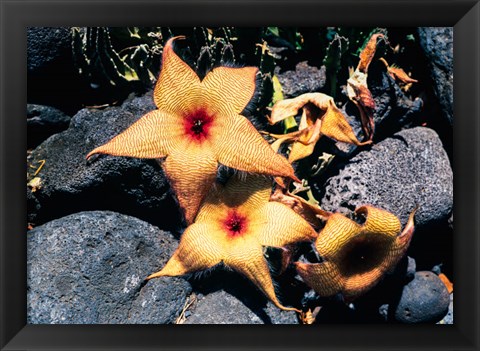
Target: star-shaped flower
(320,116)
(196,126)
(356,255)
(232,226)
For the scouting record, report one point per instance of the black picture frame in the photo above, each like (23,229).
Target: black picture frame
(16,16)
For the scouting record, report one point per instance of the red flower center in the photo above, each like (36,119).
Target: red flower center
(197,125)
(235,224)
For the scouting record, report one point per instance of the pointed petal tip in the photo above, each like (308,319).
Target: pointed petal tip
(155,275)
(280,306)
(90,154)
(291,176)
(289,309)
(295,178)
(280,182)
(94,152)
(366,142)
(172,39)
(410,226)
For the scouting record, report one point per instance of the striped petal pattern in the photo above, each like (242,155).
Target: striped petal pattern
(243,147)
(230,89)
(154,135)
(233,231)
(198,170)
(197,125)
(356,256)
(178,86)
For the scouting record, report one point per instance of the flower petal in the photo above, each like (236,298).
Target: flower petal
(316,106)
(323,277)
(178,86)
(243,148)
(247,193)
(290,107)
(337,232)
(368,52)
(274,224)
(357,284)
(306,143)
(198,249)
(154,135)
(336,126)
(247,258)
(378,221)
(191,170)
(357,256)
(230,89)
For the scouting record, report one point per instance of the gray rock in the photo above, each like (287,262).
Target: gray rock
(45,45)
(52,78)
(437,44)
(159,301)
(411,168)
(230,298)
(32,206)
(448,319)
(424,300)
(128,185)
(220,307)
(305,79)
(42,122)
(393,109)
(90,267)
(411,268)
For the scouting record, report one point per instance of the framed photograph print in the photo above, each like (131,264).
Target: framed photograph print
(263,175)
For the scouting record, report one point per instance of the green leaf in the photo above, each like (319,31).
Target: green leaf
(277,90)
(289,123)
(274,31)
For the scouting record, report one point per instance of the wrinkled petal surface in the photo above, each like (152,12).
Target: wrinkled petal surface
(230,89)
(290,107)
(356,256)
(323,277)
(153,136)
(243,148)
(246,193)
(378,221)
(197,250)
(192,171)
(247,258)
(178,86)
(337,231)
(233,225)
(277,225)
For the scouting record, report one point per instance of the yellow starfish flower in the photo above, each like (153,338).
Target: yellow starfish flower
(320,116)
(356,255)
(196,126)
(232,226)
